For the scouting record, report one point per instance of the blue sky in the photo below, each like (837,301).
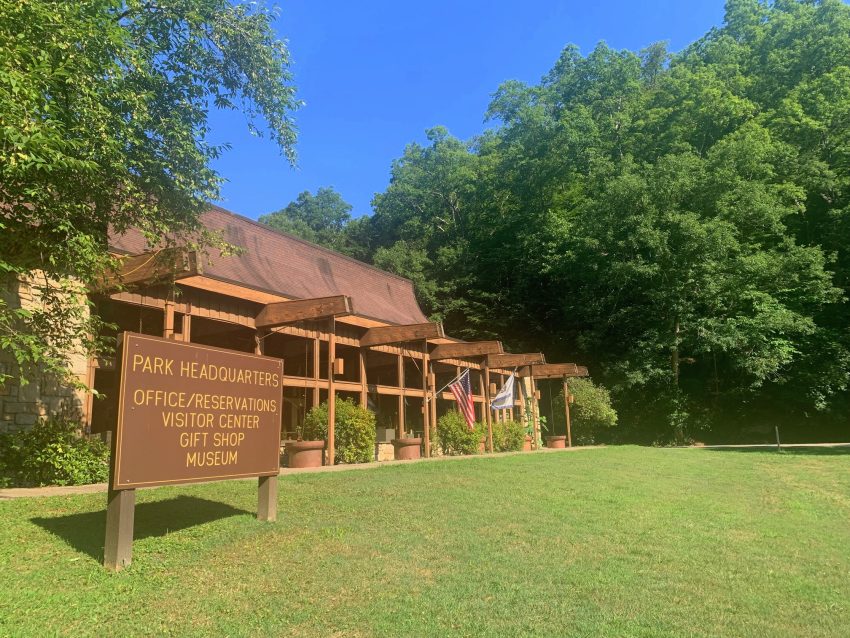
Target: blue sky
(376,74)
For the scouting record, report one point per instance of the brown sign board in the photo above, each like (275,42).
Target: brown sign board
(188,412)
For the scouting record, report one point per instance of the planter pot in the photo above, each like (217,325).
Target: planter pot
(305,453)
(556,441)
(407,449)
(526,444)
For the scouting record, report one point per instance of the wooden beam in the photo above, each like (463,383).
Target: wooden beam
(470,349)
(168,321)
(364,387)
(567,412)
(316,363)
(152,267)
(535,413)
(331,393)
(282,312)
(400,432)
(426,428)
(399,334)
(487,413)
(514,360)
(553,371)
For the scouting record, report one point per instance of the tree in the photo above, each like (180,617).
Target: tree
(103,119)
(678,222)
(322,219)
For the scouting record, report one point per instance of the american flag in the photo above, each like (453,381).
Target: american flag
(462,390)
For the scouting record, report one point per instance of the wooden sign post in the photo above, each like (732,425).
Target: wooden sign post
(189,413)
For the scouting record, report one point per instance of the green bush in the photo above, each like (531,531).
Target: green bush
(52,453)
(508,436)
(592,412)
(455,436)
(354,431)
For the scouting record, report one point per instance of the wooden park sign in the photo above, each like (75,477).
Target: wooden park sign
(188,413)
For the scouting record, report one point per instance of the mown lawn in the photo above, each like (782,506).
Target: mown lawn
(607,542)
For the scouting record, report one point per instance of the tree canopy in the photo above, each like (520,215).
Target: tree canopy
(104,123)
(323,218)
(678,221)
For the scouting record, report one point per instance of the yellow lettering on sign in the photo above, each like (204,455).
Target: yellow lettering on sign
(187,419)
(228,439)
(211,459)
(153,365)
(239,421)
(193,439)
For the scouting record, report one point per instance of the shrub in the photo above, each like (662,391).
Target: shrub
(455,436)
(592,412)
(52,453)
(508,436)
(354,431)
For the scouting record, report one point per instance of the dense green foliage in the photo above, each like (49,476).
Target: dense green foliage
(678,222)
(455,437)
(508,436)
(104,124)
(354,430)
(591,414)
(52,453)
(323,218)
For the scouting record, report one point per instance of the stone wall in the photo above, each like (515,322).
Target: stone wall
(22,405)
(386,452)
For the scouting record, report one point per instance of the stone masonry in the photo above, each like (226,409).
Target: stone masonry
(23,405)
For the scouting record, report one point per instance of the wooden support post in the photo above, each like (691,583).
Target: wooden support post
(331,392)
(426,433)
(400,430)
(120,513)
(317,348)
(481,391)
(432,381)
(187,328)
(487,411)
(168,322)
(364,386)
(567,412)
(267,499)
(535,414)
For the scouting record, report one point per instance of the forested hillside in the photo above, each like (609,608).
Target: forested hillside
(678,222)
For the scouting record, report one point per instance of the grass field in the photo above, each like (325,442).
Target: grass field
(607,542)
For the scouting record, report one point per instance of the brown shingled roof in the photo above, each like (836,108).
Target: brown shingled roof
(279,263)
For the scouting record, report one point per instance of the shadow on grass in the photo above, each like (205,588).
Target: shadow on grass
(85,531)
(793,450)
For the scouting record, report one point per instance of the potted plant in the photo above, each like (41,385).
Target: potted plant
(528,441)
(308,450)
(553,441)
(354,430)
(407,448)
